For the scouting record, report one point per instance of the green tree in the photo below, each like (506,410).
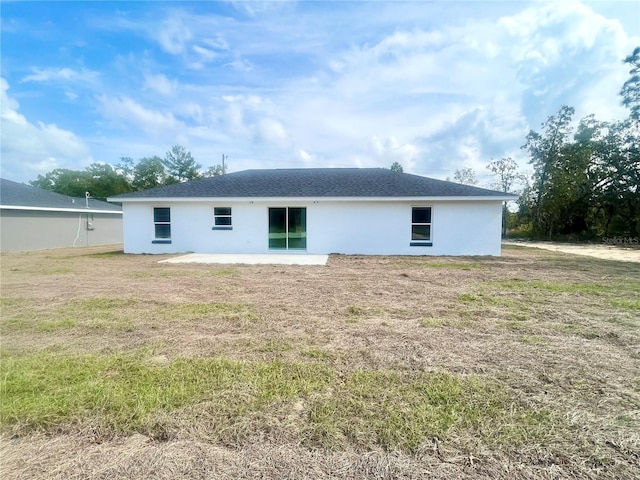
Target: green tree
(104,180)
(125,168)
(546,150)
(150,172)
(396,167)
(631,89)
(215,171)
(180,164)
(73,183)
(616,172)
(506,175)
(465,176)
(101,180)
(586,183)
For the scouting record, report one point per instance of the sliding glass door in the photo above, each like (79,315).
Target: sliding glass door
(288,228)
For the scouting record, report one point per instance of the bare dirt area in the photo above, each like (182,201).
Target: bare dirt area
(520,366)
(620,253)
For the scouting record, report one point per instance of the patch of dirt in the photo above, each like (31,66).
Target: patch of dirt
(604,252)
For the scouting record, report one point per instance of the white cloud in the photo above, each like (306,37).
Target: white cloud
(30,149)
(62,74)
(124,111)
(190,110)
(460,95)
(564,52)
(205,54)
(255,8)
(160,84)
(361,85)
(457,94)
(385,151)
(219,42)
(271,131)
(306,157)
(187,36)
(240,65)
(173,34)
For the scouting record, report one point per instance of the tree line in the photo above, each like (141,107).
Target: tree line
(102,180)
(586,177)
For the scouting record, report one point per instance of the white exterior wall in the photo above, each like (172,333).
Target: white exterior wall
(348,227)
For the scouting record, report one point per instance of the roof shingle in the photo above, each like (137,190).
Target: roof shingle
(314,182)
(13,194)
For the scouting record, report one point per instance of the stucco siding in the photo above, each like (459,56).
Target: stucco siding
(458,228)
(349,227)
(26,230)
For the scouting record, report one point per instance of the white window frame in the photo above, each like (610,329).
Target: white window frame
(422,243)
(221,226)
(153,216)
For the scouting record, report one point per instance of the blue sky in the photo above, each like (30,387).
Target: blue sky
(436,86)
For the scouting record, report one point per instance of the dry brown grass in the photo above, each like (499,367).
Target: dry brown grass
(555,333)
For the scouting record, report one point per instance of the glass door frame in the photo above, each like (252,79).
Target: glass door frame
(291,233)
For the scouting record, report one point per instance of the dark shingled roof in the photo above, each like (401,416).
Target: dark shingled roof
(314,182)
(20,195)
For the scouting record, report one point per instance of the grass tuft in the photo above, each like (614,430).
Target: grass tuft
(533,340)
(626,303)
(317,353)
(54,325)
(552,287)
(354,313)
(198,311)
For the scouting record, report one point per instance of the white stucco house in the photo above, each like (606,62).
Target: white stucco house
(317,211)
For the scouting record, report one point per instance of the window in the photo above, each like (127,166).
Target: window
(162,224)
(222,218)
(421,227)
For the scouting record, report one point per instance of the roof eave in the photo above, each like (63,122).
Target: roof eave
(54,209)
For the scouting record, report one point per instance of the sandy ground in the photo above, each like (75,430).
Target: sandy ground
(604,252)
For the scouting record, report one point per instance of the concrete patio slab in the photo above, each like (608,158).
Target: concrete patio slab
(251,259)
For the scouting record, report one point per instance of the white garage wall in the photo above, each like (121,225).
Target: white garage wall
(458,228)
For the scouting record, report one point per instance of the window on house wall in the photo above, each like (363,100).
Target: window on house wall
(222,218)
(421,226)
(162,224)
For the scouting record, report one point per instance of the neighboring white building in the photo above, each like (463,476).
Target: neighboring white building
(36,219)
(317,211)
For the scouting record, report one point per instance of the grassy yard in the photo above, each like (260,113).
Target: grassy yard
(522,366)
